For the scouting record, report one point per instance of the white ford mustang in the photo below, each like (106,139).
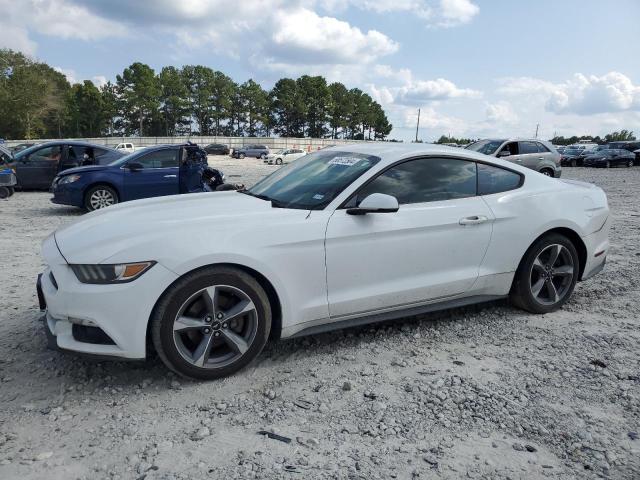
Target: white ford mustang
(340,237)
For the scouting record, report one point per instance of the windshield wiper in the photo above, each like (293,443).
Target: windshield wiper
(274,203)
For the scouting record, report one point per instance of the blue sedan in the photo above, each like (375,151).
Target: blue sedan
(152,172)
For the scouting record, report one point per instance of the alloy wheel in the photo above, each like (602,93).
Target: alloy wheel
(552,274)
(101,198)
(215,326)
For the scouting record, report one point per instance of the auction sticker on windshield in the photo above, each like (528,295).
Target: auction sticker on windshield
(345,161)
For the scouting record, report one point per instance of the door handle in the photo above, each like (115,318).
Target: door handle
(473,220)
(170,176)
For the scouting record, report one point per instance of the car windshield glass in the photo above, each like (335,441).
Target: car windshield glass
(572,151)
(313,181)
(488,147)
(125,159)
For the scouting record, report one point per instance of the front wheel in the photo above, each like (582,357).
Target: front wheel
(100,196)
(241,156)
(278,161)
(263,156)
(547,275)
(211,323)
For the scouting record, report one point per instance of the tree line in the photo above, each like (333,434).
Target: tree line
(36,101)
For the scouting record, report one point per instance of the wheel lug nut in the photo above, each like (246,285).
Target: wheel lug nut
(207,331)
(217,334)
(220,315)
(224,325)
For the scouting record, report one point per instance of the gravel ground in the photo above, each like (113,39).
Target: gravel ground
(483,392)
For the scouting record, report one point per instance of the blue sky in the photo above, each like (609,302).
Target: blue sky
(474,67)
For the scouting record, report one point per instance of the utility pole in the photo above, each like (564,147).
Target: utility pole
(417,125)
(537,126)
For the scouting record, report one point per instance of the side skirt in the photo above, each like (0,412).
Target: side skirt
(392,315)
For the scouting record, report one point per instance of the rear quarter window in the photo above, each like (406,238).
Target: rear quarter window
(493,179)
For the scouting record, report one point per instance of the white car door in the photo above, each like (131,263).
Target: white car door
(430,249)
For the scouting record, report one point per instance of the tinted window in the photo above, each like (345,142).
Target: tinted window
(425,180)
(512,148)
(47,153)
(542,148)
(488,147)
(528,147)
(159,159)
(494,180)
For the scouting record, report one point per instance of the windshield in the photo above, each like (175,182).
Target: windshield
(572,151)
(125,159)
(313,181)
(488,147)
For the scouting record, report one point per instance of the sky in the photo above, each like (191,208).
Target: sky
(475,68)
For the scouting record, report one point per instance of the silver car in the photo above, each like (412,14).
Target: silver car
(532,153)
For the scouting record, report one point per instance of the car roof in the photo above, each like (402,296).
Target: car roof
(390,152)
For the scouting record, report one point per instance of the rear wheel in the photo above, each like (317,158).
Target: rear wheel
(100,196)
(630,164)
(278,161)
(4,192)
(547,171)
(608,164)
(547,275)
(12,190)
(263,156)
(211,323)
(241,155)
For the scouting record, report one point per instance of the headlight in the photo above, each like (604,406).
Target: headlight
(119,273)
(68,179)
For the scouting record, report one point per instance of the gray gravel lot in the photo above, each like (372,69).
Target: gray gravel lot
(482,392)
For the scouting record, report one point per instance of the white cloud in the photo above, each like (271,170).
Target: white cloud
(581,94)
(99,80)
(305,37)
(423,91)
(501,112)
(16,38)
(435,13)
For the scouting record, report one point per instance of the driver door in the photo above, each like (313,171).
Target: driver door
(158,177)
(38,169)
(430,249)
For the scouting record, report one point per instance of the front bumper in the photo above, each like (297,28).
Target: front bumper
(118,312)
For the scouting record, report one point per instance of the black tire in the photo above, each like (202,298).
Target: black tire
(521,291)
(169,305)
(4,193)
(241,156)
(608,164)
(262,156)
(278,161)
(630,164)
(574,163)
(12,190)
(547,171)
(90,205)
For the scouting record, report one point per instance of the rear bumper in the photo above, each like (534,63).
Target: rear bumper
(597,250)
(67,196)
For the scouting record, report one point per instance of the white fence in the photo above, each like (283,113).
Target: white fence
(273,143)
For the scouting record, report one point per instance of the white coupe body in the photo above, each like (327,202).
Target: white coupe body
(327,267)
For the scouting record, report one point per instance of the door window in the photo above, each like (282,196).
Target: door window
(425,180)
(51,154)
(527,147)
(159,159)
(512,148)
(542,148)
(495,180)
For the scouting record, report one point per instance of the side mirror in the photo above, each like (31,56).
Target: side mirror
(376,203)
(135,166)
(504,153)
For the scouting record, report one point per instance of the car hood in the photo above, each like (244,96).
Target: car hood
(88,168)
(142,227)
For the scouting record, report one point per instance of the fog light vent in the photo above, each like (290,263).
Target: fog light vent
(93,335)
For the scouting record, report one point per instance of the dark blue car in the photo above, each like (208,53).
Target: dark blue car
(152,172)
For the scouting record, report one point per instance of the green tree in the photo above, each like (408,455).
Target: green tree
(139,93)
(339,108)
(289,108)
(173,101)
(222,91)
(317,97)
(621,136)
(110,103)
(254,104)
(199,81)
(85,111)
